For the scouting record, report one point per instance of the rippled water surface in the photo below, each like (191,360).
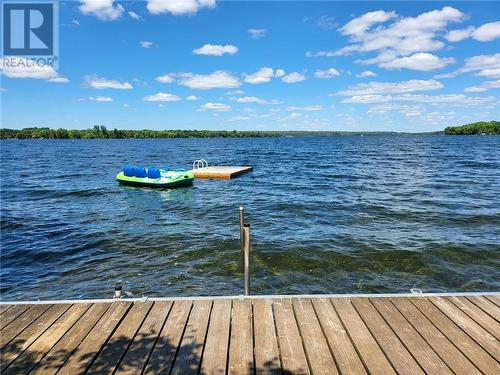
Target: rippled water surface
(328,215)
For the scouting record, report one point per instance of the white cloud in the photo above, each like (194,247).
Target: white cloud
(167,78)
(178,7)
(239,118)
(161,97)
(216,50)
(293,77)
(485,33)
(218,79)
(105,10)
(134,15)
(328,73)
(373,88)
(102,99)
(485,86)
(254,99)
(263,75)
(146,44)
(481,65)
(452,99)
(22,67)
(235,92)
(217,107)
(257,33)
(405,37)
(103,83)
(75,22)
(58,80)
(279,73)
(410,111)
(306,108)
(192,97)
(365,74)
(419,61)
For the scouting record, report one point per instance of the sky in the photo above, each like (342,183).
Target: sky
(268,65)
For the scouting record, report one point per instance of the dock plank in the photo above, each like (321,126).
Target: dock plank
(162,357)
(474,330)
(479,316)
(12,315)
(397,354)
(477,355)
(240,357)
(91,346)
(455,360)
(420,349)
(433,334)
(371,354)
(488,307)
(266,351)
(21,322)
(293,356)
(37,350)
(340,344)
(189,354)
(63,349)
(216,347)
(317,350)
(4,308)
(143,342)
(22,341)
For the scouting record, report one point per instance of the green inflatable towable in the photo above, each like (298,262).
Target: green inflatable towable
(155,177)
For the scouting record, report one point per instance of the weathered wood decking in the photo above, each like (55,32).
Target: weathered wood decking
(223,172)
(298,335)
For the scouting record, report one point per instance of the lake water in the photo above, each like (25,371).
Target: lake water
(328,215)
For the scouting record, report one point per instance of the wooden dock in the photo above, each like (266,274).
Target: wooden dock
(222,172)
(405,334)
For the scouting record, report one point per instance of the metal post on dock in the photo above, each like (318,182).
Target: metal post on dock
(246,258)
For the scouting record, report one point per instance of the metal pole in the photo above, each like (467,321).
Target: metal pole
(242,235)
(246,263)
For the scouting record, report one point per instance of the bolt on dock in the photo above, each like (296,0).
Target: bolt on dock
(329,334)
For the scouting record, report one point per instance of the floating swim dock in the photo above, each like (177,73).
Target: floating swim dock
(201,169)
(328,334)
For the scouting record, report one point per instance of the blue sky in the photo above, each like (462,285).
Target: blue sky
(201,64)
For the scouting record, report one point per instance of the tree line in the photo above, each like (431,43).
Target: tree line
(481,127)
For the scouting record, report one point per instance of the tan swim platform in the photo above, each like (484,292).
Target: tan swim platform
(223,172)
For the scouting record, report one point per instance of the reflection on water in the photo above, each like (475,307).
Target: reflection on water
(328,215)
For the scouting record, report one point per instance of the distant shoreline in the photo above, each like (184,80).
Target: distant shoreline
(101,132)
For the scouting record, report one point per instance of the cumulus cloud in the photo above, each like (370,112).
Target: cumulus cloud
(366,74)
(392,42)
(257,33)
(306,108)
(102,99)
(481,65)
(422,61)
(216,50)
(263,75)
(254,99)
(374,88)
(161,97)
(96,82)
(485,33)
(146,44)
(452,99)
(215,80)
(293,77)
(485,86)
(192,97)
(22,67)
(178,7)
(167,78)
(279,73)
(217,107)
(134,15)
(326,74)
(105,10)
